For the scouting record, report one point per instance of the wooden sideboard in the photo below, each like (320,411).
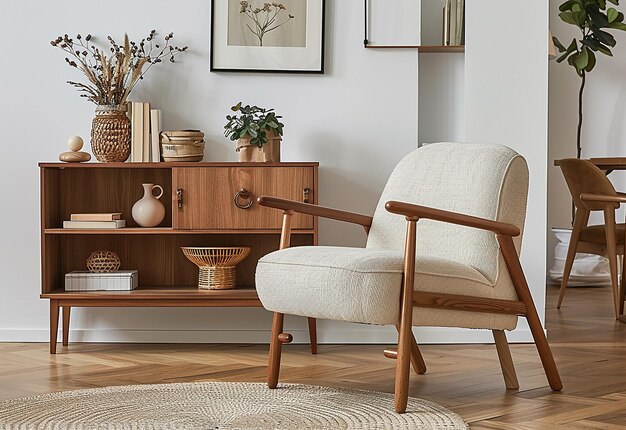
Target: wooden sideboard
(207,207)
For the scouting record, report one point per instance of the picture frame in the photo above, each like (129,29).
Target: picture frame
(276,37)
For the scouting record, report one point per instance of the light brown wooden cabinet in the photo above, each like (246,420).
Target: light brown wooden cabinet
(208,198)
(204,209)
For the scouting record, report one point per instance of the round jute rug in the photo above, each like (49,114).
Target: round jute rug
(221,405)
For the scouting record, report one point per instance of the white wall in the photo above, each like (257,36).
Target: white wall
(604,128)
(357,120)
(506,96)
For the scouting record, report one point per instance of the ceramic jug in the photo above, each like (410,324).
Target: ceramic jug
(149,211)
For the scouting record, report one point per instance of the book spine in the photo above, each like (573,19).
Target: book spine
(94,224)
(146,131)
(155,131)
(460,22)
(446,24)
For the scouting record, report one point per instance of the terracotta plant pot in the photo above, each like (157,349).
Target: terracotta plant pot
(268,153)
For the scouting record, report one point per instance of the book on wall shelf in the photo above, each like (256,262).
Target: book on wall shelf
(145,133)
(155,133)
(112,216)
(95,225)
(454,23)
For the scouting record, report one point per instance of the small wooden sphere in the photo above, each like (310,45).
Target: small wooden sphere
(75,143)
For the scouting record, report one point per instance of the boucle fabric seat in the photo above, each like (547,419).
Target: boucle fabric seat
(442,250)
(303,281)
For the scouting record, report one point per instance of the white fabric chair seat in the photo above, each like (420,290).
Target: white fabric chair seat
(363,285)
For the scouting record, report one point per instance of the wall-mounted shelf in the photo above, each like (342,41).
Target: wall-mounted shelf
(425,49)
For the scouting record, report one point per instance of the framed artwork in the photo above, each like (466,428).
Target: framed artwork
(256,36)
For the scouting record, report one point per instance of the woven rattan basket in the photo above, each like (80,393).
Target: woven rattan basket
(103,262)
(217,265)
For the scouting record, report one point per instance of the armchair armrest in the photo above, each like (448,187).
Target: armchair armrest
(603,198)
(321,211)
(416,211)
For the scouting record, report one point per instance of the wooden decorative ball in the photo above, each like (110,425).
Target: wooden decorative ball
(103,262)
(75,143)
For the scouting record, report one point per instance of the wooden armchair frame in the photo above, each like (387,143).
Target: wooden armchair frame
(408,351)
(608,204)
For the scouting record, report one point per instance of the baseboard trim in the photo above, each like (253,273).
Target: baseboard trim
(369,335)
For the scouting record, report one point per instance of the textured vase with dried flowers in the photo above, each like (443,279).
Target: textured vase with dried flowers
(112,74)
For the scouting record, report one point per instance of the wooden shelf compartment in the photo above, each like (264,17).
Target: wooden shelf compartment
(160,296)
(158,258)
(76,190)
(161,231)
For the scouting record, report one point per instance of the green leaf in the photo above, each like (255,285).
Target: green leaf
(618,26)
(615,2)
(582,60)
(612,14)
(605,38)
(592,62)
(568,18)
(569,4)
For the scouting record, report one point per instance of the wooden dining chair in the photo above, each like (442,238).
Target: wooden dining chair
(592,191)
(442,250)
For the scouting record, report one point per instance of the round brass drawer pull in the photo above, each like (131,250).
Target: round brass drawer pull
(243,199)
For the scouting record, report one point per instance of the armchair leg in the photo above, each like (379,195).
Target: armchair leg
(313,335)
(275,350)
(506,362)
(622,291)
(523,293)
(406,320)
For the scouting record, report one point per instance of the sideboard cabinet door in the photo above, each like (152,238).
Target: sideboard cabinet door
(224,198)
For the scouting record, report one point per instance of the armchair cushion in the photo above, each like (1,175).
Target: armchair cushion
(363,285)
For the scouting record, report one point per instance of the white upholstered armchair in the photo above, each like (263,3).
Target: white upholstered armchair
(442,250)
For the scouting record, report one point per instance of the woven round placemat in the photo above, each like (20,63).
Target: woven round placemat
(221,405)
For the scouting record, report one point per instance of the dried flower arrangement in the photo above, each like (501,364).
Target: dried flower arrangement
(113,76)
(264,18)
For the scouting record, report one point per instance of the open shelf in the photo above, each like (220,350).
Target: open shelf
(423,49)
(160,230)
(159,292)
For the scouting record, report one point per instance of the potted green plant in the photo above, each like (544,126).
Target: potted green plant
(594,19)
(257,131)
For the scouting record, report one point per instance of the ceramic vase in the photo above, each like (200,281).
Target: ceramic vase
(149,211)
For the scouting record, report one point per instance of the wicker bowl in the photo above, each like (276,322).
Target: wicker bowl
(217,265)
(103,262)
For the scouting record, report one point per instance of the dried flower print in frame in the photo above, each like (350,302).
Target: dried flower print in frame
(256,36)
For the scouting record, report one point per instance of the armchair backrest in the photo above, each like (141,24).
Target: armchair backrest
(582,176)
(484,180)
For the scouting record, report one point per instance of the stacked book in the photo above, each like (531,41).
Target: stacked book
(95,221)
(122,280)
(454,23)
(145,127)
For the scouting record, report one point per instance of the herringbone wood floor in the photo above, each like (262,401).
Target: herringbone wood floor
(589,346)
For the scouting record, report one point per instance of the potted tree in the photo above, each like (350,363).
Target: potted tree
(595,19)
(257,131)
